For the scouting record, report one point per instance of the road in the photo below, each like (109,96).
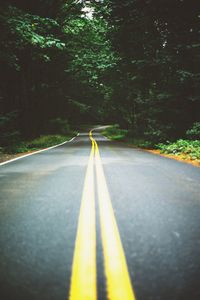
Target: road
(70,215)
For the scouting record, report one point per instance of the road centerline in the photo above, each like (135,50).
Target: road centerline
(116,270)
(83,279)
(84,270)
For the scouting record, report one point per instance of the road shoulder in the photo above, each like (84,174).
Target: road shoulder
(195,163)
(7,158)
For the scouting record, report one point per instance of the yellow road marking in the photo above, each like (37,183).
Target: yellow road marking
(83,280)
(118,280)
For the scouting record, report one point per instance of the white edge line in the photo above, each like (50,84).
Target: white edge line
(39,151)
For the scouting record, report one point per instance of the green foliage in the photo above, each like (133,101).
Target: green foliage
(92,54)
(57,63)
(44,141)
(23,31)
(115,133)
(141,143)
(156,81)
(188,148)
(194,132)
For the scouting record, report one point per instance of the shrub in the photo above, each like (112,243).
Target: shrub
(189,148)
(45,141)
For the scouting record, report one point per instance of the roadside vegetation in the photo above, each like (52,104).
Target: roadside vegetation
(55,132)
(43,141)
(187,148)
(114,132)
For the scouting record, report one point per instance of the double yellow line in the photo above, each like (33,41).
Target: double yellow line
(84,278)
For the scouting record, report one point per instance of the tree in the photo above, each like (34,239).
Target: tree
(158,44)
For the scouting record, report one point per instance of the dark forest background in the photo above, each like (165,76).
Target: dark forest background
(65,63)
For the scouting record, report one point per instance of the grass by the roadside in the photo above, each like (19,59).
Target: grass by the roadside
(113,132)
(40,142)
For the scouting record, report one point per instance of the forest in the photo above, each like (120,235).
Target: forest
(133,63)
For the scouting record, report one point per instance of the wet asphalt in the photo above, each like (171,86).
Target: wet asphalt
(156,202)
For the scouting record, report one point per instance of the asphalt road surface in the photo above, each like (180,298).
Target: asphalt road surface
(121,225)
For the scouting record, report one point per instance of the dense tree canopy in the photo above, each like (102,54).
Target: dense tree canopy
(158,42)
(132,62)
